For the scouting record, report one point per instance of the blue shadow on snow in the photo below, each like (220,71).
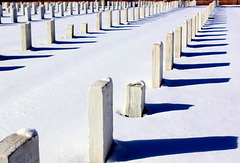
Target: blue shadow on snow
(75,42)
(10,68)
(187,82)
(214,39)
(204,31)
(49,48)
(196,54)
(204,45)
(209,35)
(198,66)
(206,28)
(164,107)
(139,149)
(4,58)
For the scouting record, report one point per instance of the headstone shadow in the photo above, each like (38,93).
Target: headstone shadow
(188,82)
(51,48)
(199,66)
(139,149)
(4,58)
(75,42)
(214,39)
(151,109)
(209,35)
(197,54)
(11,68)
(205,45)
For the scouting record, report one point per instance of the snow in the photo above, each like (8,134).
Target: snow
(193,117)
(27,132)
(137,82)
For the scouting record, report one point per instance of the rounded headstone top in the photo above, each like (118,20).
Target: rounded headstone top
(27,132)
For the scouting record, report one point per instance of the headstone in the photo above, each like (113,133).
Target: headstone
(1,11)
(103,5)
(22,147)
(135,99)
(143,12)
(151,10)
(137,13)
(91,7)
(85,8)
(23,8)
(100,120)
(64,6)
(13,13)
(78,8)
(108,5)
(109,19)
(148,11)
(28,13)
(97,6)
(177,42)
(61,10)
(133,13)
(98,21)
(82,5)
(46,6)
(70,9)
(169,46)
(189,39)
(51,11)
(26,36)
(57,7)
(118,17)
(200,21)
(197,22)
(125,15)
(184,34)
(34,9)
(50,31)
(84,28)
(41,12)
(157,64)
(193,26)
(70,31)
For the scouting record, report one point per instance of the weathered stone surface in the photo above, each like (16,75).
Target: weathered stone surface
(84,28)
(100,120)
(189,39)
(177,42)
(135,99)
(13,13)
(109,19)
(118,17)
(28,13)
(50,31)
(125,15)
(98,21)
(19,149)
(157,64)
(26,36)
(184,34)
(70,31)
(169,47)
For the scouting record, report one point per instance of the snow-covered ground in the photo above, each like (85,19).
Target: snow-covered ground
(193,117)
